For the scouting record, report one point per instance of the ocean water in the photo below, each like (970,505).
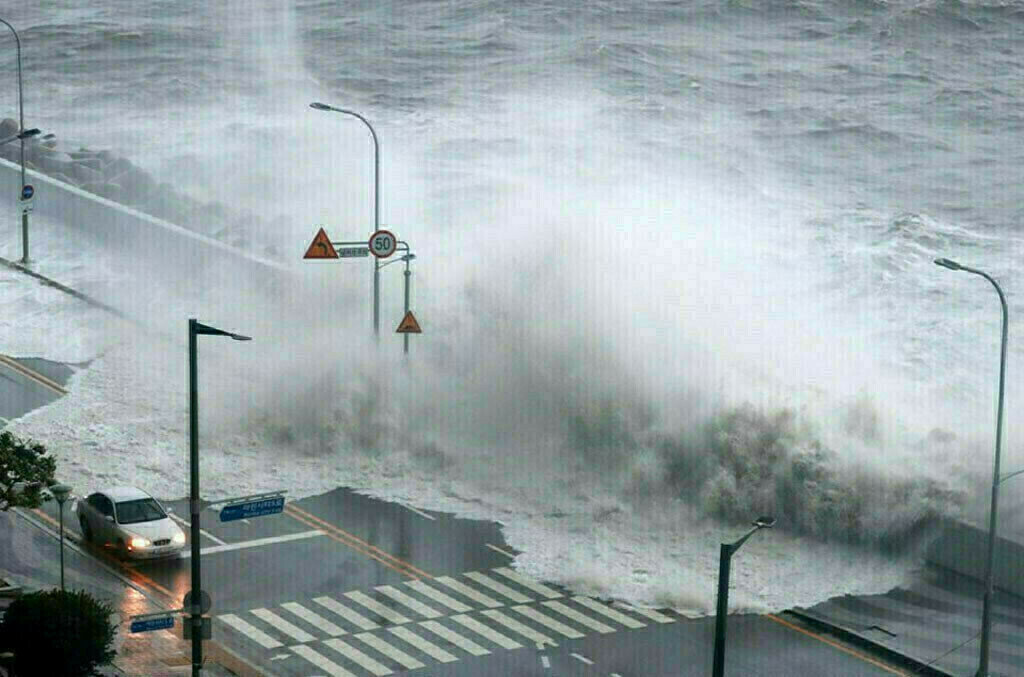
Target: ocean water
(674,269)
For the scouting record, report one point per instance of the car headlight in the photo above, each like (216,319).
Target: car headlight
(138,542)
(179,538)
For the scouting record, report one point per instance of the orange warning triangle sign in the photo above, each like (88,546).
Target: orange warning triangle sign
(408,325)
(321,248)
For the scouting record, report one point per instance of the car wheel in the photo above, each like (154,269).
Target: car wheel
(86,529)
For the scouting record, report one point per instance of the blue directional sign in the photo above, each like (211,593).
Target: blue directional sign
(27,192)
(148,624)
(257,508)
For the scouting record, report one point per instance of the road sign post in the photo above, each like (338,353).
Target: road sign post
(159,620)
(247,507)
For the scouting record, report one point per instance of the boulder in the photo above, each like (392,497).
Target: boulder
(136,183)
(84,173)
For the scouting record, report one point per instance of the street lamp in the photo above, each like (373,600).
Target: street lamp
(27,134)
(725,558)
(195,328)
(376,205)
(21,126)
(61,493)
(407,258)
(986,613)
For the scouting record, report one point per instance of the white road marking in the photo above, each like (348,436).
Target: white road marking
(650,613)
(296,633)
(321,662)
(313,618)
(467,591)
(402,598)
(497,587)
(391,652)
(420,512)
(376,607)
(255,543)
(560,628)
(582,658)
(455,638)
(346,613)
(545,661)
(527,583)
(516,626)
(253,633)
(423,645)
(608,611)
(204,532)
(481,629)
(280,656)
(495,548)
(438,596)
(357,656)
(582,619)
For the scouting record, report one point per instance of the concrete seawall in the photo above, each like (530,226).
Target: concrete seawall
(964,549)
(147,245)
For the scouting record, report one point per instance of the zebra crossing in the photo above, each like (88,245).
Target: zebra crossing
(392,629)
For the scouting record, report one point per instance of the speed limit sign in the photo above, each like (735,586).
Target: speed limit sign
(382,244)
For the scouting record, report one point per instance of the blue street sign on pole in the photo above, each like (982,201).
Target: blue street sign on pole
(148,624)
(257,508)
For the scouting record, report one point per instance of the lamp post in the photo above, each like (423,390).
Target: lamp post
(986,613)
(61,493)
(376,205)
(725,559)
(21,128)
(195,328)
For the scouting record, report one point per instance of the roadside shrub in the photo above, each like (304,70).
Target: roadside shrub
(54,633)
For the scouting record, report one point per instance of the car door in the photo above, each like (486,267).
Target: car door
(106,529)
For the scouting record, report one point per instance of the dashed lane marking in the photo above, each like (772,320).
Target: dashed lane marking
(322,662)
(391,652)
(293,631)
(481,629)
(250,631)
(376,607)
(438,596)
(313,618)
(497,587)
(560,628)
(357,656)
(455,638)
(527,583)
(435,652)
(404,599)
(517,627)
(467,591)
(594,605)
(419,512)
(582,619)
(582,659)
(346,613)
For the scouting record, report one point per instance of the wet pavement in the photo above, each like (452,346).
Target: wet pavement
(935,619)
(345,585)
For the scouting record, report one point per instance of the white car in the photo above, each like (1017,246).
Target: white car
(131,521)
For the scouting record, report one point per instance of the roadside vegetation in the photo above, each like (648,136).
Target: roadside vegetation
(25,471)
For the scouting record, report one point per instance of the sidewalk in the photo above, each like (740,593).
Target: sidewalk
(27,561)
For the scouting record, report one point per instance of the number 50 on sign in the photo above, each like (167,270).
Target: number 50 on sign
(382,244)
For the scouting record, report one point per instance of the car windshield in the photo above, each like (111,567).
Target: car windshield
(142,510)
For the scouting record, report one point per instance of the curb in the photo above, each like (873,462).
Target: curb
(64,288)
(854,637)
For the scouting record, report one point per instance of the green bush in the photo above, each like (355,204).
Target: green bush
(58,634)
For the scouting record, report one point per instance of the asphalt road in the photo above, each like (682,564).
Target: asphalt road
(341,585)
